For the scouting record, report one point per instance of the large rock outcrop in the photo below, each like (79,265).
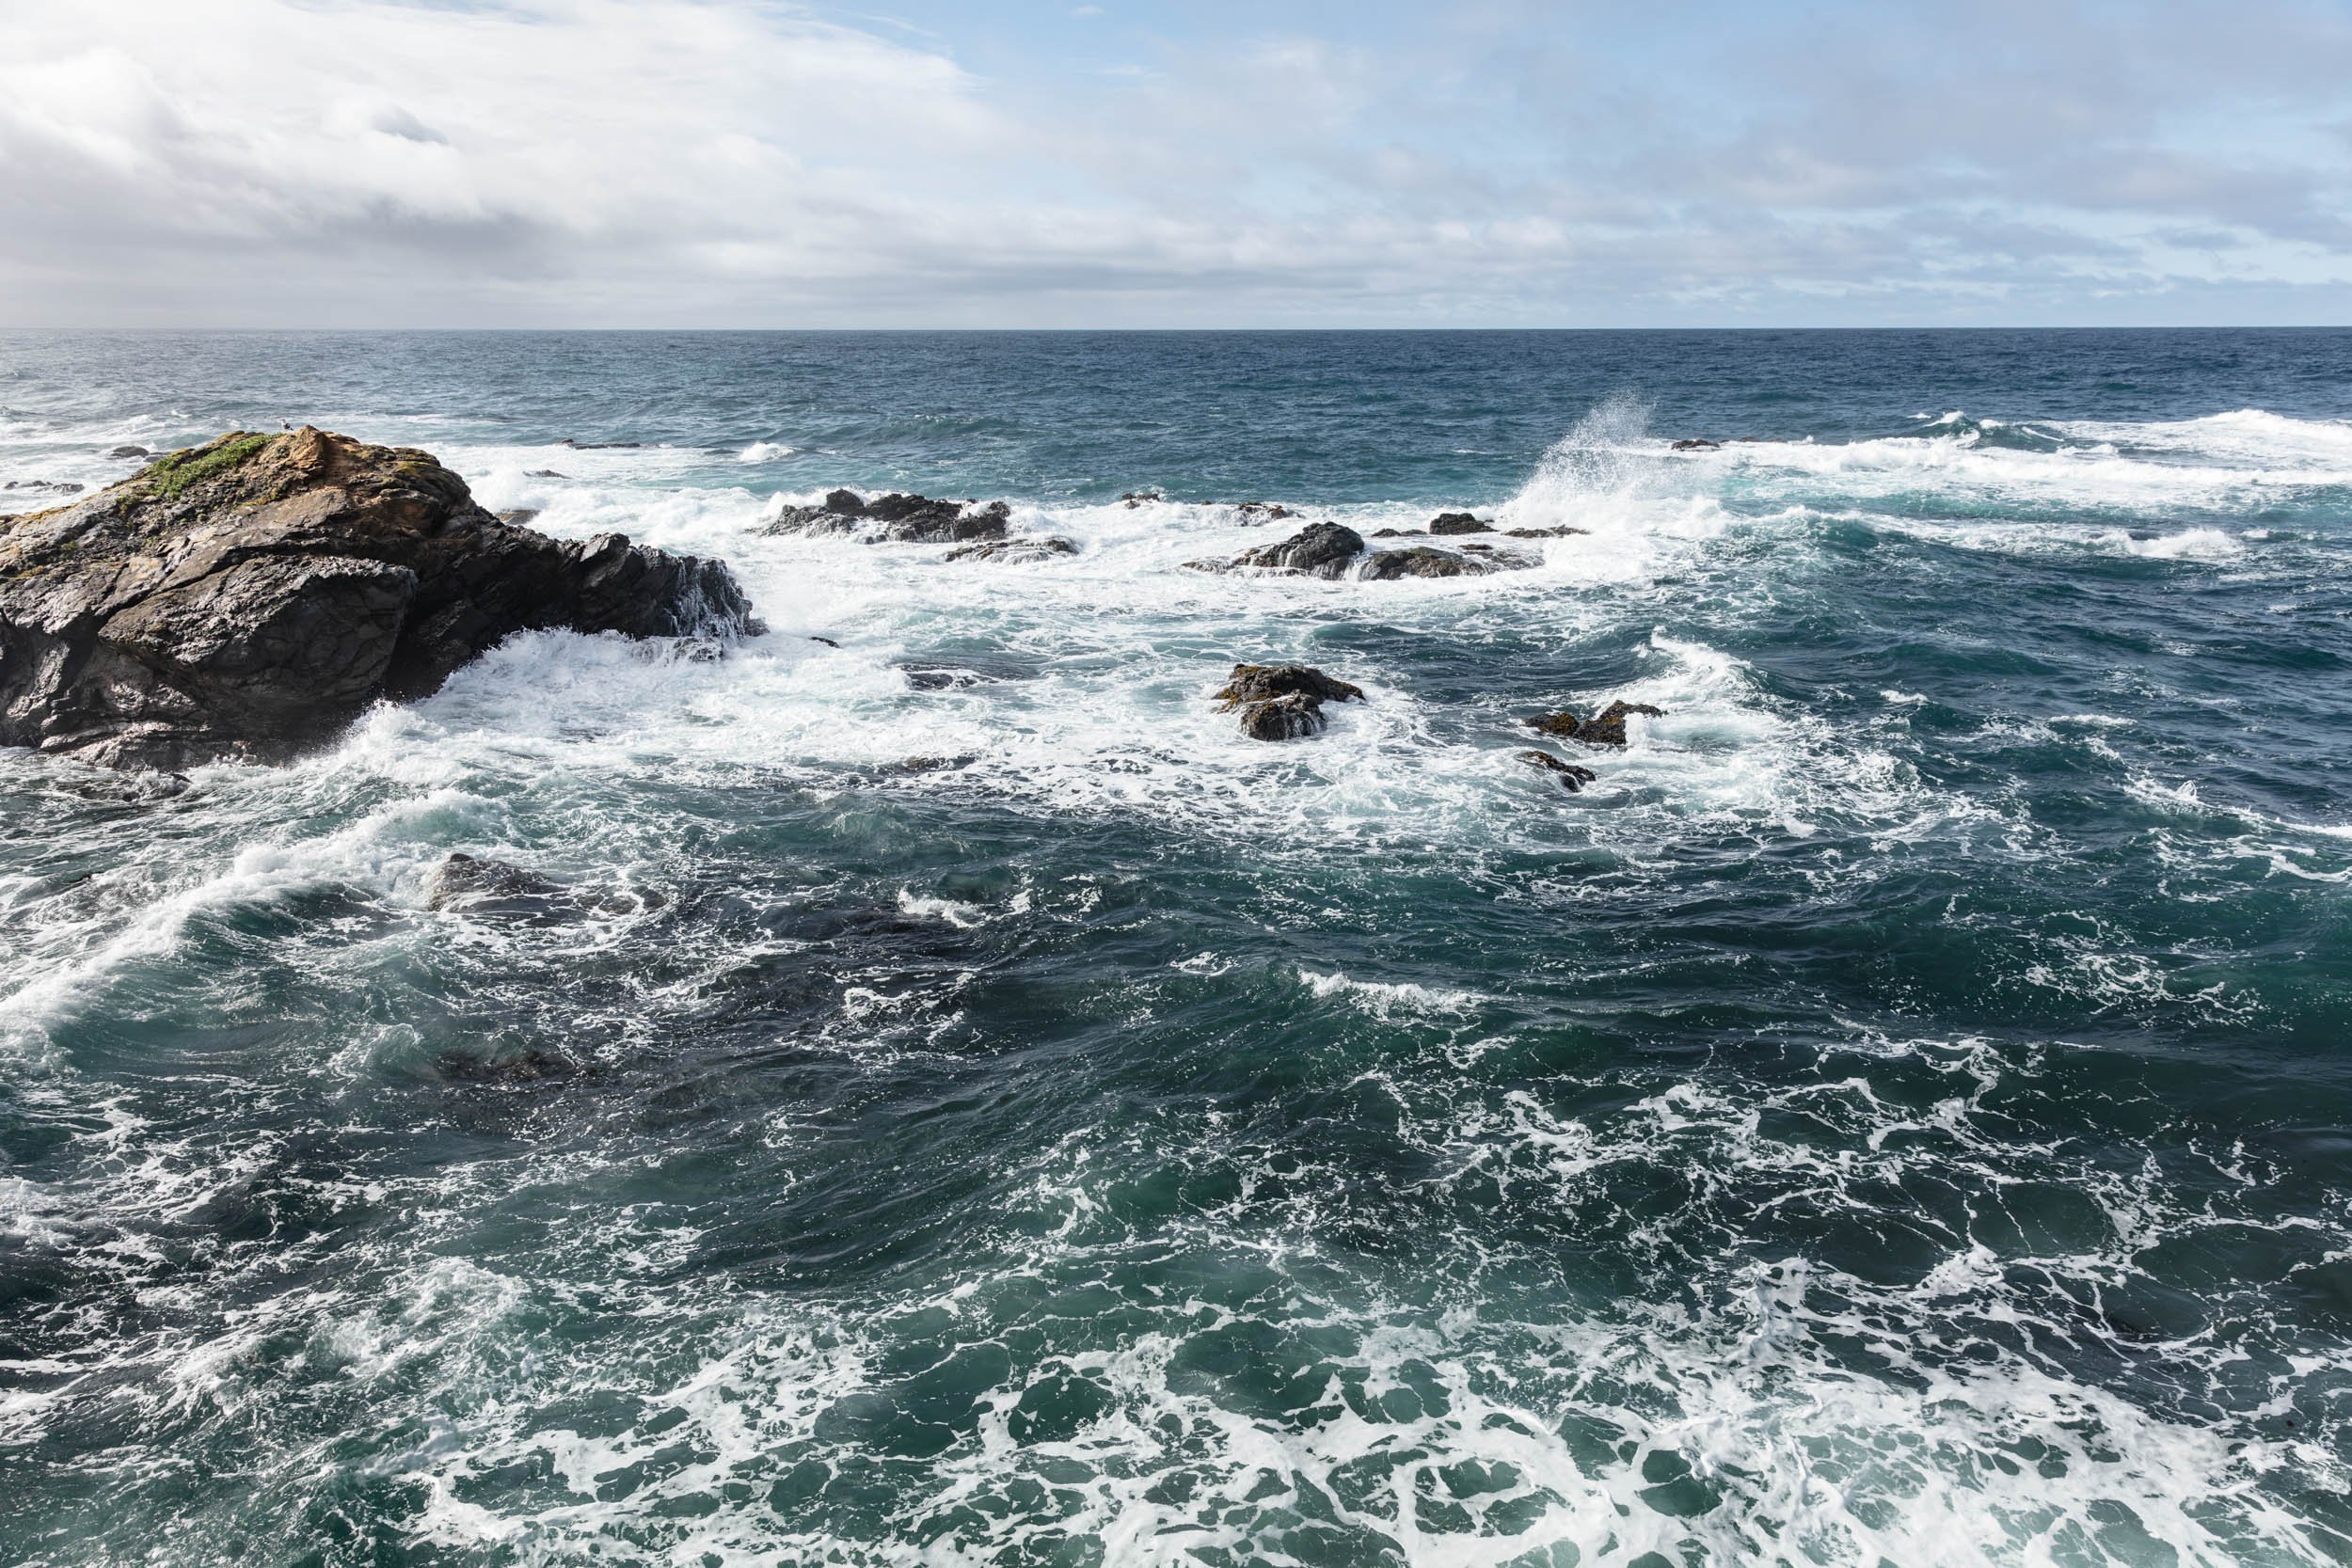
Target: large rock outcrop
(247,599)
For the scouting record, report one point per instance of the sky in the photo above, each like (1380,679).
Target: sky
(1485,163)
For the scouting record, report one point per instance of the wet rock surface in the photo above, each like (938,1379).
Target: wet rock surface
(1421,561)
(1605,728)
(247,599)
(896,519)
(1283,701)
(1571,777)
(1318,550)
(1015,551)
(1458,522)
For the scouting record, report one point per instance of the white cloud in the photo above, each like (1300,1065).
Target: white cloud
(717,162)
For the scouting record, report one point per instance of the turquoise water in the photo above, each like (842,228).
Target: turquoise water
(1898,1113)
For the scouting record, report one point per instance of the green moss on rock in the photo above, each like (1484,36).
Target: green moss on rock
(167,478)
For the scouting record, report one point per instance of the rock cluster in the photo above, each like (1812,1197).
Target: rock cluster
(248,598)
(897,519)
(1283,701)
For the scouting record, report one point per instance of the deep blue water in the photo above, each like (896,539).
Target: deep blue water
(1898,1113)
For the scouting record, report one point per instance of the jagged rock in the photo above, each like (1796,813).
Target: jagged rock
(1014,552)
(1138,498)
(1283,701)
(929,765)
(1263,512)
(896,519)
(1317,551)
(1571,777)
(1459,522)
(1561,532)
(129,452)
(248,598)
(1420,560)
(1606,728)
(1696,443)
(546,473)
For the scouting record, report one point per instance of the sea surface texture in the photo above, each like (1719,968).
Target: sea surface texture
(968,1104)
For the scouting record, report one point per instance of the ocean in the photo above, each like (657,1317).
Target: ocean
(974,1107)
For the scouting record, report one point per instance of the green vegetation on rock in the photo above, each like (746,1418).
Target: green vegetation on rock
(170,476)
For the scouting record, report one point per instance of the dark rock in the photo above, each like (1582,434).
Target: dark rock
(44,487)
(546,473)
(129,452)
(1420,561)
(1317,551)
(1561,532)
(1459,522)
(248,598)
(931,764)
(1390,533)
(1292,718)
(1263,512)
(463,881)
(1015,551)
(826,640)
(1137,497)
(1606,728)
(1696,443)
(600,445)
(1259,683)
(1571,777)
(519,515)
(1283,701)
(896,519)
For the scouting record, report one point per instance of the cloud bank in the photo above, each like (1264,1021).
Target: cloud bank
(731,163)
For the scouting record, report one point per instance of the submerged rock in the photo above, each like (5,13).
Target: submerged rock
(129,452)
(1014,552)
(1571,777)
(463,880)
(896,519)
(1605,728)
(477,886)
(1283,701)
(248,598)
(1263,512)
(1563,532)
(1138,498)
(1459,522)
(1696,443)
(532,1066)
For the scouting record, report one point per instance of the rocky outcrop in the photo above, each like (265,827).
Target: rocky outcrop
(1014,552)
(1458,522)
(248,598)
(1317,551)
(897,520)
(1696,443)
(1571,777)
(1283,701)
(1605,728)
